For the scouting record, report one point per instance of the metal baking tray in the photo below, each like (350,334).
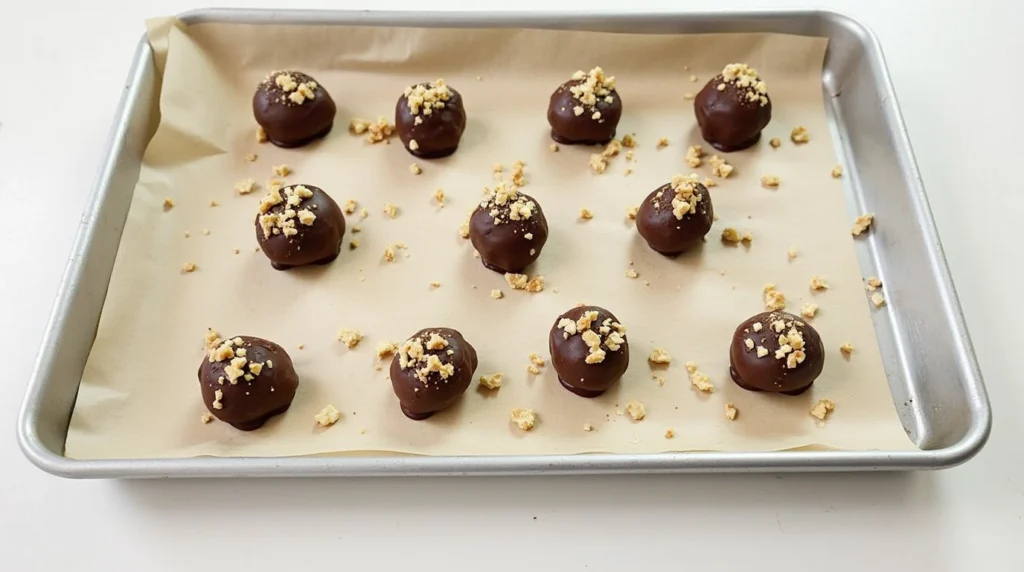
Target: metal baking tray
(929,361)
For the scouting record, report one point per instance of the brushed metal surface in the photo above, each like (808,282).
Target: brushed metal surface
(931,367)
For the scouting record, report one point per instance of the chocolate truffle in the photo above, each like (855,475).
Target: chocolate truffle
(508,229)
(733,108)
(430,119)
(676,216)
(589,350)
(246,380)
(585,110)
(299,225)
(293,108)
(431,370)
(776,351)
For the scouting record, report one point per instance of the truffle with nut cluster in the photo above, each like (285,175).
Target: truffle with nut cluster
(508,229)
(733,108)
(293,108)
(299,225)
(776,352)
(430,119)
(589,350)
(675,217)
(585,110)
(431,370)
(246,380)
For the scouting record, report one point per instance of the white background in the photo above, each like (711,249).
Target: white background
(63,64)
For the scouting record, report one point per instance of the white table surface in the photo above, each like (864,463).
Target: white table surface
(63,64)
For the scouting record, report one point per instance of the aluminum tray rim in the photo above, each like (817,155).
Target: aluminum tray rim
(42,457)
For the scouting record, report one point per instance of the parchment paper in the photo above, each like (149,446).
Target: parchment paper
(139,395)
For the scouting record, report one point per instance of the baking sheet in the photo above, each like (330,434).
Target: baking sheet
(139,397)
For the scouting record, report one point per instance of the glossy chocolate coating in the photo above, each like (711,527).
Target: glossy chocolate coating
(419,397)
(728,120)
(569,354)
(666,234)
(248,404)
(289,124)
(769,373)
(438,134)
(571,129)
(319,243)
(503,247)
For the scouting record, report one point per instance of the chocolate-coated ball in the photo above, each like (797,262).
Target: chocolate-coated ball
(246,380)
(777,352)
(588,350)
(293,108)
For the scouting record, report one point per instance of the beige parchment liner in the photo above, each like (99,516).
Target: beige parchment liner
(139,395)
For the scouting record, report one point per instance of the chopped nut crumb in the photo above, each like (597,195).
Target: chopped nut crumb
(525,419)
(630,273)
(731,411)
(217,396)
(636,410)
(837,171)
(328,416)
(822,408)
(363,213)
(770,181)
(390,210)
(386,348)
(662,143)
(862,223)
(353,244)
(709,183)
(415,169)
(660,379)
(800,135)
(537,360)
(188,234)
(588,427)
(878,299)
(206,418)
(631,213)
(775,143)
(731,235)
(693,155)
(492,381)
(168,203)
(376,132)
(350,206)
(598,163)
(245,186)
(873,284)
(698,378)
(613,148)
(719,167)
(261,135)
(586,214)
(282,170)
(809,310)
(629,140)
(818,283)
(497,294)
(792,254)
(846,348)
(773,299)
(439,197)
(435,285)
(350,337)
(188,267)
(659,355)
(524,282)
(206,232)
(389,253)
(251,157)
(688,96)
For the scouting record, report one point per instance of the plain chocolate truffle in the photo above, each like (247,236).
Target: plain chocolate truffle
(246,380)
(589,350)
(430,119)
(585,110)
(676,216)
(299,225)
(733,108)
(508,229)
(776,351)
(293,108)
(431,370)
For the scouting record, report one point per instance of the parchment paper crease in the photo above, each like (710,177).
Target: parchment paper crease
(139,395)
